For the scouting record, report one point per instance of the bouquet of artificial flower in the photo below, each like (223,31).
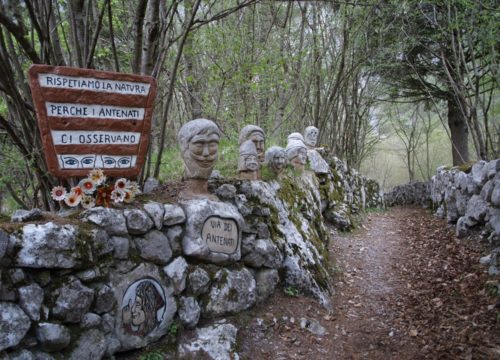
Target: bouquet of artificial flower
(94,191)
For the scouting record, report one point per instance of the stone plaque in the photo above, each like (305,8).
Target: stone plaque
(92,119)
(220,234)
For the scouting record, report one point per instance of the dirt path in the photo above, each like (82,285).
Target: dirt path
(406,288)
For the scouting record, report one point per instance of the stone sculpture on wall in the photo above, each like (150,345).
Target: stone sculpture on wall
(311,136)
(248,164)
(199,143)
(276,159)
(256,134)
(316,161)
(296,151)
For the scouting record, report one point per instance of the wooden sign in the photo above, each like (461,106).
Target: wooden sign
(92,119)
(220,234)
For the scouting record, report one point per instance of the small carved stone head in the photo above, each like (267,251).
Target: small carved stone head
(199,142)
(311,136)
(296,152)
(256,134)
(248,165)
(276,159)
(295,136)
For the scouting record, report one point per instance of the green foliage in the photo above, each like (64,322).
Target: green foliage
(291,291)
(172,166)
(173,329)
(152,355)
(376,210)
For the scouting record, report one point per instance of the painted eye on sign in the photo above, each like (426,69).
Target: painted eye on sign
(92,119)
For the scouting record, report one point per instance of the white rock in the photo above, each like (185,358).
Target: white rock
(14,324)
(216,342)
(189,311)
(53,337)
(111,220)
(30,300)
(174,215)
(177,272)
(47,246)
(156,211)
(232,291)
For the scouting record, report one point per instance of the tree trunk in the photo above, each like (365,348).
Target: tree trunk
(459,133)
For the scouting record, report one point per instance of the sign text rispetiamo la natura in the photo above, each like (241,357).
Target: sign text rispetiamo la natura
(92,119)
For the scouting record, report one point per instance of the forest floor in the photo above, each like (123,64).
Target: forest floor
(405,288)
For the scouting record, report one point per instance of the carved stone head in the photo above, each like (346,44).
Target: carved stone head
(311,136)
(296,152)
(256,134)
(296,136)
(199,142)
(248,165)
(276,159)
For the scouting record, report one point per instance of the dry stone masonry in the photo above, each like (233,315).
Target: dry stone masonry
(467,196)
(110,280)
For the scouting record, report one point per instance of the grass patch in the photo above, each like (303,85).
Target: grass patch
(291,291)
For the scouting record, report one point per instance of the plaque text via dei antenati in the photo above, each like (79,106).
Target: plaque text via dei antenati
(221,235)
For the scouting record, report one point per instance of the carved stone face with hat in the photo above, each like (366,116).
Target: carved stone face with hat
(248,165)
(296,136)
(257,136)
(296,151)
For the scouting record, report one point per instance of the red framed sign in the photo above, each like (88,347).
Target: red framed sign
(92,119)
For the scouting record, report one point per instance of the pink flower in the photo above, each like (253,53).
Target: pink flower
(87,185)
(118,195)
(121,184)
(58,193)
(73,199)
(77,190)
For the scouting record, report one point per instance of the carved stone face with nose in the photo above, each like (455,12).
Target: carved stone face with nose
(311,136)
(298,157)
(204,149)
(276,159)
(199,141)
(296,152)
(256,135)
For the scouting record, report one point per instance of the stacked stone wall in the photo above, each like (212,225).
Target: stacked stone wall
(467,196)
(107,280)
(416,193)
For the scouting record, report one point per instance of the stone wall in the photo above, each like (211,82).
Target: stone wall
(345,194)
(108,280)
(470,198)
(467,196)
(416,193)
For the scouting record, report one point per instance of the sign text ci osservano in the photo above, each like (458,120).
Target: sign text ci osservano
(78,137)
(93,84)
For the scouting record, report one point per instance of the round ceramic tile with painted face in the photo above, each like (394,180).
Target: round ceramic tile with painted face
(143,307)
